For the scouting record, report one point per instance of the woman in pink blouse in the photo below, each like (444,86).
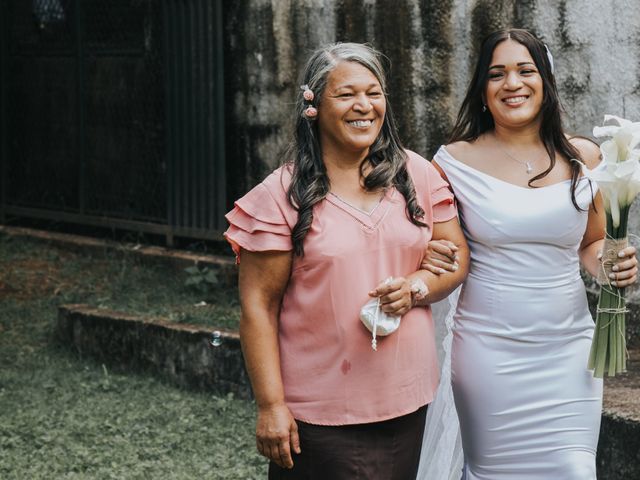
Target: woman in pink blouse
(316,240)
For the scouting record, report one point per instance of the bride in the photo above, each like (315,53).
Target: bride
(516,361)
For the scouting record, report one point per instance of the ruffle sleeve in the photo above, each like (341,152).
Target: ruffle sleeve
(261,220)
(432,190)
(442,200)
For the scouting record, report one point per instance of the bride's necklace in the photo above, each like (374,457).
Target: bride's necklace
(526,163)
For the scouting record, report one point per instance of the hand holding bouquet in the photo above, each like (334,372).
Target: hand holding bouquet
(619,183)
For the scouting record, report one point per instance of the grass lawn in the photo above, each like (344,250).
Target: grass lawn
(65,417)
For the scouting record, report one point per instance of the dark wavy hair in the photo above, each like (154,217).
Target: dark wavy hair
(387,159)
(472,121)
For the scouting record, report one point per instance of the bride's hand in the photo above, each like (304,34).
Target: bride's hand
(440,257)
(625,272)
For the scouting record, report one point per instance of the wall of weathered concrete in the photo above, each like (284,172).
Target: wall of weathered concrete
(431,45)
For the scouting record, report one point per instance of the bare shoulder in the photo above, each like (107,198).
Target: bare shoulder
(588,149)
(461,150)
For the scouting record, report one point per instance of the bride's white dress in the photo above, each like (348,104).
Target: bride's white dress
(528,407)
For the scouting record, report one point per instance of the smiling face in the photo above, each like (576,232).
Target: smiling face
(351,111)
(514,90)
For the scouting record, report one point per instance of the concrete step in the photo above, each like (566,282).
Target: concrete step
(180,353)
(224,266)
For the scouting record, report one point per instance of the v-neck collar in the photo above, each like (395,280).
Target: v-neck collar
(346,202)
(369,221)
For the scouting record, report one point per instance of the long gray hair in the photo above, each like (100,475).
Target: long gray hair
(387,159)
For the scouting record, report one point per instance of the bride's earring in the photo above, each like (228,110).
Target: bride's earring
(484,108)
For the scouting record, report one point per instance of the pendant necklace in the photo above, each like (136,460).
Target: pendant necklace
(526,163)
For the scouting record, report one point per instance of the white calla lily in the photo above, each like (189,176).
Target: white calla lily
(633,189)
(624,134)
(610,126)
(618,179)
(619,184)
(609,150)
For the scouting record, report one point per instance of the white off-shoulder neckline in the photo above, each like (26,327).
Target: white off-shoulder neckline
(496,179)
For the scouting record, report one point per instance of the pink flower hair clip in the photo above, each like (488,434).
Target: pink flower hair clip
(310,111)
(307,93)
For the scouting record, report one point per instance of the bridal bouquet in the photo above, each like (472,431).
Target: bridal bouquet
(619,183)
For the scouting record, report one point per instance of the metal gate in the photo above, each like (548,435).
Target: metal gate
(111,114)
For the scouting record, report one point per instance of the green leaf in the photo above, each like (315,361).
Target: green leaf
(211,277)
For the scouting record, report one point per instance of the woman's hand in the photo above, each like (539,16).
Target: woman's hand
(625,272)
(277,434)
(440,257)
(395,296)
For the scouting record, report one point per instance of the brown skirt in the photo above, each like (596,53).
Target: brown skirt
(388,450)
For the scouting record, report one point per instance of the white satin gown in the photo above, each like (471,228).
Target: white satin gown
(528,407)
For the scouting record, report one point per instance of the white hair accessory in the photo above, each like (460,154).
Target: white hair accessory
(550,57)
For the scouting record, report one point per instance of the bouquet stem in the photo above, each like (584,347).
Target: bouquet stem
(609,346)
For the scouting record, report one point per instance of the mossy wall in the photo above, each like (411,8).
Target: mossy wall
(431,45)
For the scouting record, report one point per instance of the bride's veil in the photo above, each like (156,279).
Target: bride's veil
(441,457)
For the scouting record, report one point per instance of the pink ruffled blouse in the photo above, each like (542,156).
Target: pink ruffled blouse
(330,373)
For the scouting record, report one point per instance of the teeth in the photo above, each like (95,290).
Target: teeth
(515,99)
(361,123)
